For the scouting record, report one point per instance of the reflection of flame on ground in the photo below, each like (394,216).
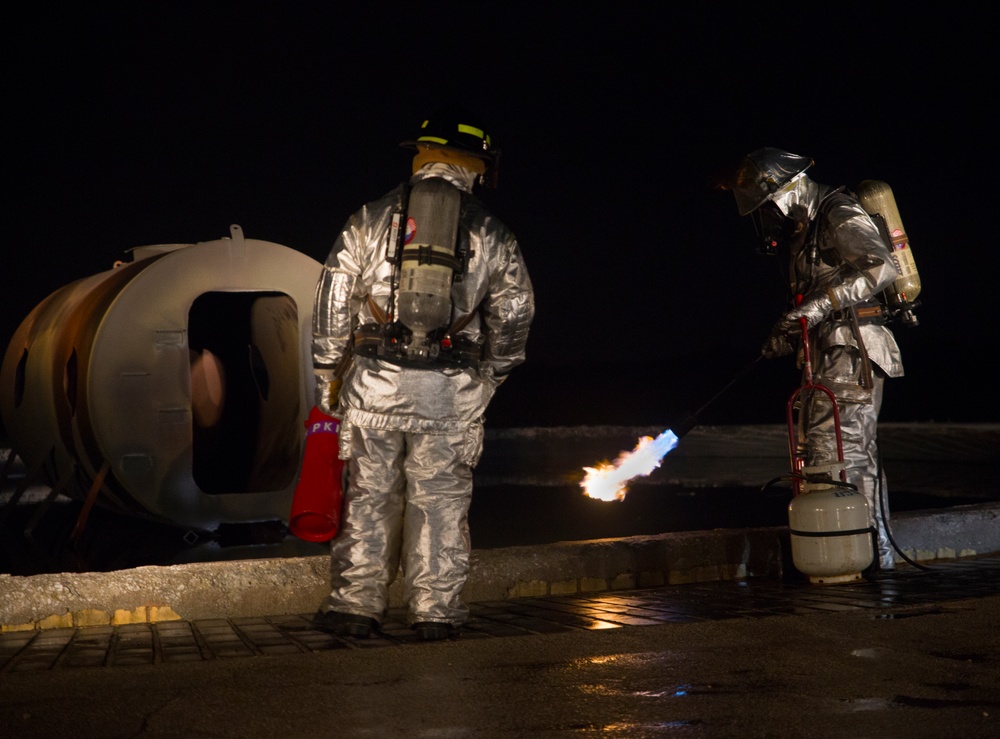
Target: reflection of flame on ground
(610,481)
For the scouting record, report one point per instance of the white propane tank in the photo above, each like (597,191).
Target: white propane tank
(830,532)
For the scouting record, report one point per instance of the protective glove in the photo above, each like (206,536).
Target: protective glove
(814,310)
(327,389)
(776,345)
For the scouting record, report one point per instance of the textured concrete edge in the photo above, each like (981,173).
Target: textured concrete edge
(267,587)
(297,585)
(950,533)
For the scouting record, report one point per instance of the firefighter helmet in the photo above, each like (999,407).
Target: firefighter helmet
(764,172)
(453,128)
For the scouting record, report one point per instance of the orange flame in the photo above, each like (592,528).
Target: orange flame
(610,481)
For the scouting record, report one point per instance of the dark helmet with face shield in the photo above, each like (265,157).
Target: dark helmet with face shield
(763,173)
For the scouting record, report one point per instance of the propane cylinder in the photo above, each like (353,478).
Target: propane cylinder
(877,199)
(428,260)
(830,532)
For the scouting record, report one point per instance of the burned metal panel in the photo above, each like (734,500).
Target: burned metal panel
(100,374)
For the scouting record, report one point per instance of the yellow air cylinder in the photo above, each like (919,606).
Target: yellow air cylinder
(877,199)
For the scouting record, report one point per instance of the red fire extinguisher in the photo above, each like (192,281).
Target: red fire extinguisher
(319,493)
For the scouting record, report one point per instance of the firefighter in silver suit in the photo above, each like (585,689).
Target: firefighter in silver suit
(413,397)
(838,264)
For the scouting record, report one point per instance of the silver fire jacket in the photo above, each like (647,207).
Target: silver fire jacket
(495,291)
(852,265)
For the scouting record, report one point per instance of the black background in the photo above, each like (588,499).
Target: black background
(156,123)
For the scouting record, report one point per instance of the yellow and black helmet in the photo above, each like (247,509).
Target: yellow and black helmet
(458,130)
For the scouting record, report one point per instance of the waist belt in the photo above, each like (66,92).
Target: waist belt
(387,341)
(866,314)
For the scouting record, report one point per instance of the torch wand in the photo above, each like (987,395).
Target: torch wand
(691,420)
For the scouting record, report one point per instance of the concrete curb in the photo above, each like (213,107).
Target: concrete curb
(279,586)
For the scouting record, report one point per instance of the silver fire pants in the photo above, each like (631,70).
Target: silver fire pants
(858,427)
(406,504)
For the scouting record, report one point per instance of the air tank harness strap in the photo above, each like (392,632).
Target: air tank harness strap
(384,338)
(427,254)
(855,316)
(872,312)
(386,341)
(377,313)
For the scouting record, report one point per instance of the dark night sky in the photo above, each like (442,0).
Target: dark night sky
(167,122)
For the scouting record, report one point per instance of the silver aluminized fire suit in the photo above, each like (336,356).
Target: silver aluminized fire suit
(848,266)
(413,435)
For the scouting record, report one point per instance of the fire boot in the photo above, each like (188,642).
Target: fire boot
(344,624)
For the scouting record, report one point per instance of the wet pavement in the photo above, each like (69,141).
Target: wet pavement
(883,596)
(911,653)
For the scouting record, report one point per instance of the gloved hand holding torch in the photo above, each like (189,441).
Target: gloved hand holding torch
(779,342)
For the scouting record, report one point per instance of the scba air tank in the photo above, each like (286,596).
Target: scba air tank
(877,199)
(830,532)
(428,262)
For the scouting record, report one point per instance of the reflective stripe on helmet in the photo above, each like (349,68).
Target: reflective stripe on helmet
(473,131)
(469,130)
